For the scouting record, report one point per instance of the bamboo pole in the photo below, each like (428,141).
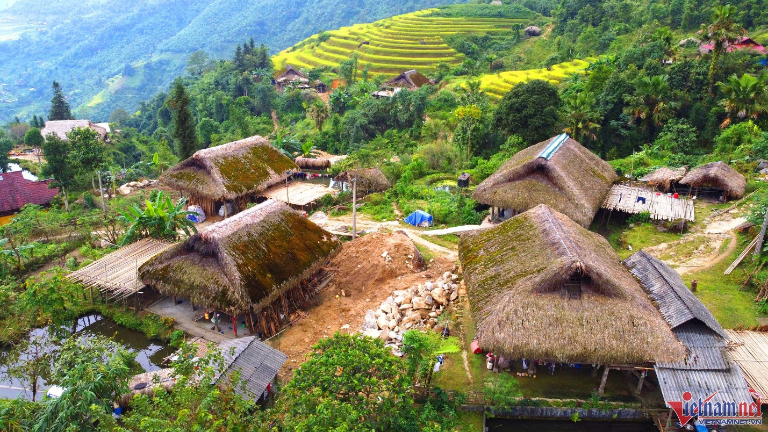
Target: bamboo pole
(354,208)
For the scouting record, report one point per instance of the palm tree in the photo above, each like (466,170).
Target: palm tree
(286,142)
(581,117)
(159,219)
(723,30)
(744,97)
(319,113)
(651,103)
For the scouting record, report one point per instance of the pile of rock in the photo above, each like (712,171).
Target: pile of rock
(132,186)
(415,307)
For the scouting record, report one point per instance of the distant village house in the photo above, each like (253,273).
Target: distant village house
(18,191)
(741,44)
(61,128)
(290,77)
(410,80)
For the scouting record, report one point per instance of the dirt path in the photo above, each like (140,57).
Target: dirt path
(698,251)
(450,254)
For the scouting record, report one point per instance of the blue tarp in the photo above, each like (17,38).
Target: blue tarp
(418,217)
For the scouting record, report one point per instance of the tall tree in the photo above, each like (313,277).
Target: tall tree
(87,151)
(197,63)
(529,110)
(183,124)
(651,103)
(581,116)
(6,145)
(59,105)
(745,97)
(468,116)
(58,165)
(34,139)
(723,30)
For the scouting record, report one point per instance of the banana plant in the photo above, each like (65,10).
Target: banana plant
(160,218)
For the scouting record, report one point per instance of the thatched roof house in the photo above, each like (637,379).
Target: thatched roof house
(369,180)
(231,172)
(411,80)
(290,76)
(664,178)
(541,286)
(707,367)
(718,176)
(245,262)
(61,128)
(559,172)
(312,163)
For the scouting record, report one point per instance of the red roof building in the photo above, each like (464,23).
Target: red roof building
(742,43)
(16,191)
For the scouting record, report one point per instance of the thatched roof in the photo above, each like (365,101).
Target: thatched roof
(663,178)
(61,128)
(369,179)
(231,170)
(312,163)
(291,74)
(717,175)
(516,275)
(412,80)
(559,172)
(248,259)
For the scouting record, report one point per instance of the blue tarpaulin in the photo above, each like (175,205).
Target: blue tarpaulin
(419,217)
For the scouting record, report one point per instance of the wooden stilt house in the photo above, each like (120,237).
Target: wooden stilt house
(541,286)
(716,177)
(232,173)
(559,172)
(256,262)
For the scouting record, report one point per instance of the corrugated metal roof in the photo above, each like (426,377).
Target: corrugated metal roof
(256,361)
(729,384)
(675,301)
(706,349)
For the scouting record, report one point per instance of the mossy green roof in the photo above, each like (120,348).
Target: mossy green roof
(246,260)
(231,170)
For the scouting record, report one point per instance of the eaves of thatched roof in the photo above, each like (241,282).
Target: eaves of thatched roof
(291,74)
(516,274)
(61,128)
(567,177)
(717,175)
(231,170)
(411,80)
(246,260)
(368,179)
(663,178)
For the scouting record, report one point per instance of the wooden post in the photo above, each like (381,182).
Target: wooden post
(640,384)
(234,325)
(101,194)
(761,237)
(601,390)
(287,198)
(354,208)
(193,305)
(91,289)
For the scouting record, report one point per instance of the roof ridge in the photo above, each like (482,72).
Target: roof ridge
(562,235)
(553,146)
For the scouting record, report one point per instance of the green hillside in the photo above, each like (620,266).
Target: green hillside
(415,40)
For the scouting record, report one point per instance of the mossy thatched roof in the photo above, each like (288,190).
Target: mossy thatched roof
(516,274)
(571,180)
(248,259)
(663,178)
(411,80)
(231,170)
(369,179)
(717,175)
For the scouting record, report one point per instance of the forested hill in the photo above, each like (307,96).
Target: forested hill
(112,53)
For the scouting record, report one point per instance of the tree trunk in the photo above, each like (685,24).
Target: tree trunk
(66,199)
(713,68)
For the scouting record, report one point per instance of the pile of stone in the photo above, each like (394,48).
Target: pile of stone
(132,186)
(412,308)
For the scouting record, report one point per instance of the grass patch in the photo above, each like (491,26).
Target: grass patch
(720,293)
(469,421)
(620,236)
(449,241)
(425,253)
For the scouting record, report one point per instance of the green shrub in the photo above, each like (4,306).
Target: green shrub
(72,263)
(177,338)
(643,217)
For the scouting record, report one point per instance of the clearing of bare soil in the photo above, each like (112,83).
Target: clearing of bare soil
(701,250)
(365,273)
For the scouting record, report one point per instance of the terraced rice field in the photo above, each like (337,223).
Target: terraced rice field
(393,45)
(497,85)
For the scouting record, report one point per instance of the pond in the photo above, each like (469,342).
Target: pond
(523,425)
(27,175)
(149,353)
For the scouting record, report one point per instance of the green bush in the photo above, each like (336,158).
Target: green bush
(643,217)
(177,338)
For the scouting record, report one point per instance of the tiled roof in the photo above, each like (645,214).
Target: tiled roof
(18,191)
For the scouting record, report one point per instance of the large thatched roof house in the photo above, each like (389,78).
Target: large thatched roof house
(245,263)
(230,172)
(717,176)
(369,180)
(61,128)
(707,367)
(411,80)
(664,178)
(559,172)
(541,286)
(290,76)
